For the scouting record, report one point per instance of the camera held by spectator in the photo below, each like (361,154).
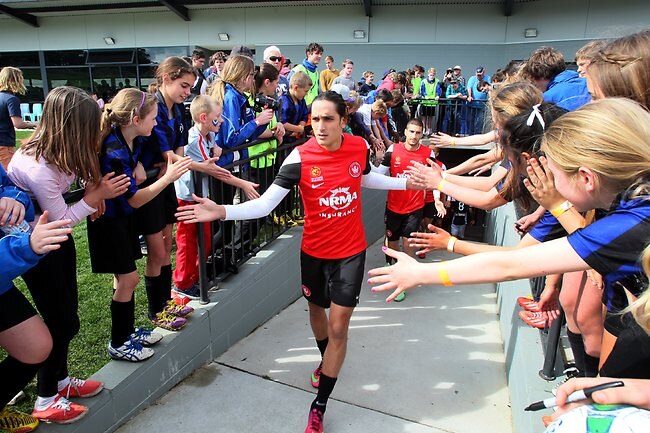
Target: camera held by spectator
(263,102)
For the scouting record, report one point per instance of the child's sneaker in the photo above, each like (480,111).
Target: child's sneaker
(61,411)
(177,310)
(146,337)
(17,422)
(130,351)
(193,292)
(81,388)
(169,321)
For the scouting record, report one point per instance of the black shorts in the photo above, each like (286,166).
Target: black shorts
(429,210)
(14,309)
(332,280)
(401,225)
(631,352)
(113,245)
(157,213)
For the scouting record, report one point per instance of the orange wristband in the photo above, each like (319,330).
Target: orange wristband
(444,275)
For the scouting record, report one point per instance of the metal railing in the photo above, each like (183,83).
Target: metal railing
(231,243)
(451,116)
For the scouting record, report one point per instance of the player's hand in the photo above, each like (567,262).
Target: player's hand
(525,223)
(12,211)
(437,239)
(47,236)
(398,277)
(541,184)
(203,211)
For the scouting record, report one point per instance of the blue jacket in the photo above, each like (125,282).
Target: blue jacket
(567,90)
(238,125)
(15,252)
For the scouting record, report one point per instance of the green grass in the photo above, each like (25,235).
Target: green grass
(88,349)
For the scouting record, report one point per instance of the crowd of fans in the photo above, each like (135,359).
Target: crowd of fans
(576,169)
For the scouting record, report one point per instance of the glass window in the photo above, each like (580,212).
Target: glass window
(147,76)
(110,57)
(65,58)
(19,59)
(77,77)
(149,56)
(108,80)
(33,84)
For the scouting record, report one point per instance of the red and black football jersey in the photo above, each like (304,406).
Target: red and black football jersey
(398,158)
(330,186)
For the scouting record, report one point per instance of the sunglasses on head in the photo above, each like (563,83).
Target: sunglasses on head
(275,58)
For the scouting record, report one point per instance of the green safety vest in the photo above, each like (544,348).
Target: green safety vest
(416,82)
(256,149)
(430,88)
(313,92)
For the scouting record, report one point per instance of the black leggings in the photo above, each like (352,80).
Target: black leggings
(53,285)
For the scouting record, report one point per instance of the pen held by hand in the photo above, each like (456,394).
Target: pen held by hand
(579,395)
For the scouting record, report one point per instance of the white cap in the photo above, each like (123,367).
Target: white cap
(342,90)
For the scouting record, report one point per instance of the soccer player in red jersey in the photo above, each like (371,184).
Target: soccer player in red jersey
(329,169)
(404,209)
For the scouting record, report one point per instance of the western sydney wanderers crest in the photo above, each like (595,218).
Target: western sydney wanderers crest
(315,171)
(354,169)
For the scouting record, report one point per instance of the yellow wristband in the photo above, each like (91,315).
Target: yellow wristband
(556,212)
(444,276)
(453,142)
(441,184)
(451,244)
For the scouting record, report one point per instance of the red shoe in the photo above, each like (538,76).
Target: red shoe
(81,388)
(315,422)
(61,411)
(527,304)
(315,376)
(536,320)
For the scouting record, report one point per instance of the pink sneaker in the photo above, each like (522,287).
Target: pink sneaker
(82,388)
(315,422)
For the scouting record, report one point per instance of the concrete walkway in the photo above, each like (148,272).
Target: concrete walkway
(433,363)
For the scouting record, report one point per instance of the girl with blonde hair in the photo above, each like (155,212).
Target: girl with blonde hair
(11,84)
(64,146)
(608,167)
(132,115)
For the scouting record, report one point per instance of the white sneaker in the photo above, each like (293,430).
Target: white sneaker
(130,351)
(146,337)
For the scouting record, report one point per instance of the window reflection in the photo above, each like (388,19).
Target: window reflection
(108,80)
(77,77)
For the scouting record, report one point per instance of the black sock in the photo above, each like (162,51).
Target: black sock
(325,388)
(15,376)
(150,284)
(578,349)
(165,285)
(131,318)
(389,259)
(591,365)
(322,345)
(120,329)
